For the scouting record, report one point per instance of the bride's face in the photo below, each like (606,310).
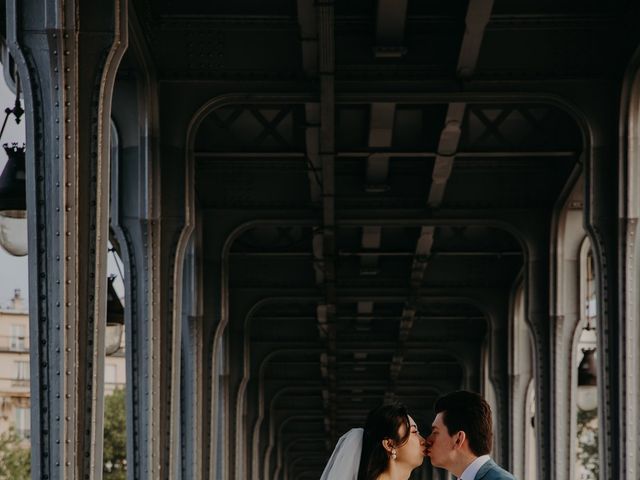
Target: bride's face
(412,451)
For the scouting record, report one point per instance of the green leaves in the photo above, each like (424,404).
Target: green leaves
(15,457)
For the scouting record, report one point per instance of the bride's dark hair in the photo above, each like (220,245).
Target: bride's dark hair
(382,423)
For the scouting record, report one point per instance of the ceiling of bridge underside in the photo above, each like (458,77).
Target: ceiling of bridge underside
(402,318)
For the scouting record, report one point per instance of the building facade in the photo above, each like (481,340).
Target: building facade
(14,368)
(15,371)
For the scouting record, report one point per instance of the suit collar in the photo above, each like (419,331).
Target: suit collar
(485,469)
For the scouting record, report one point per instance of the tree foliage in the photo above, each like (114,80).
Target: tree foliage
(115,436)
(587,450)
(15,457)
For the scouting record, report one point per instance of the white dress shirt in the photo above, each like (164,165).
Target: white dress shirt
(471,471)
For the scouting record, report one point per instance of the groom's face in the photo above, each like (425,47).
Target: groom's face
(440,445)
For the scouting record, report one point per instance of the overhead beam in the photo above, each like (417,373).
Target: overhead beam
(391,17)
(388,153)
(382,117)
(478,14)
(326,144)
(342,253)
(308,28)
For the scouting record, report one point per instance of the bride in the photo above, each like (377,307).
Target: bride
(389,447)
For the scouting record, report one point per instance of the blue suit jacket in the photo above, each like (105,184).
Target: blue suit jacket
(491,471)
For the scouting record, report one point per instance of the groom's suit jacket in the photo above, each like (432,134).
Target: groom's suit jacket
(491,471)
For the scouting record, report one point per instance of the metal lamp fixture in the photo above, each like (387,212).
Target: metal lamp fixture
(588,381)
(115,319)
(13,202)
(13,208)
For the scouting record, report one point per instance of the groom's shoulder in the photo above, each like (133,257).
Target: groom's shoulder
(494,472)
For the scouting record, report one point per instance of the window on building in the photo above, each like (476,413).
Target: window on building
(22,370)
(23,422)
(18,338)
(110,373)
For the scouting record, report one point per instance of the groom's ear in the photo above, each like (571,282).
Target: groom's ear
(460,438)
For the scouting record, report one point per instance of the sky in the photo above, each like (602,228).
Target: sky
(14,270)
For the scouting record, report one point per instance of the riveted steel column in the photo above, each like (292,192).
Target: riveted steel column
(537,298)
(499,374)
(628,263)
(67,54)
(132,211)
(602,225)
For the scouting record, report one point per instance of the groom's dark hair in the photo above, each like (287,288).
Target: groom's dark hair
(470,413)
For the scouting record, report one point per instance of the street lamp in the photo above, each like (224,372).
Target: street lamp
(13,193)
(13,207)
(115,319)
(588,381)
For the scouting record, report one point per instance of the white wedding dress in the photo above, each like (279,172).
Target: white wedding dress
(345,459)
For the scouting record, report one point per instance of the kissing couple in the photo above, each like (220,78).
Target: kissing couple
(390,447)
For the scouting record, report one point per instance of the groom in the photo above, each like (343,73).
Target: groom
(461,437)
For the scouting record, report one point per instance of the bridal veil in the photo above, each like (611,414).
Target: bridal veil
(345,459)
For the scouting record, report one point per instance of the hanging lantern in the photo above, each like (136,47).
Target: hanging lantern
(588,381)
(13,204)
(115,319)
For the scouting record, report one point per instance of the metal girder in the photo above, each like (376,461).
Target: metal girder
(316,23)
(308,27)
(478,13)
(447,150)
(391,16)
(327,152)
(382,117)
(61,48)
(389,153)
